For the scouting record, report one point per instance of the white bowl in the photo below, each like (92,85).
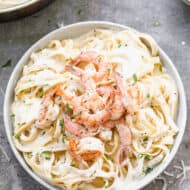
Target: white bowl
(22,9)
(71,31)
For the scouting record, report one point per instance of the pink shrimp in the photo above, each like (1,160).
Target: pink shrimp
(85,57)
(94,119)
(129,101)
(125,138)
(72,148)
(112,95)
(87,81)
(46,106)
(80,152)
(73,128)
(97,60)
(117,109)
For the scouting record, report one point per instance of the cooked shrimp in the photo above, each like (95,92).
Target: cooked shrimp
(117,109)
(72,148)
(129,100)
(72,127)
(49,111)
(93,102)
(125,138)
(85,57)
(91,57)
(85,78)
(94,119)
(88,149)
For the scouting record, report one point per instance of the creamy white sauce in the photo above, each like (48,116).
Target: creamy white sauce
(22,110)
(129,60)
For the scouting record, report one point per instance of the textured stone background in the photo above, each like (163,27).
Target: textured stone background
(168,21)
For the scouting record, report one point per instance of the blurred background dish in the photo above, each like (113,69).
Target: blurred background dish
(186,1)
(12,9)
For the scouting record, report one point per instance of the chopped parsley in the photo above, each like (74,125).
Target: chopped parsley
(41,92)
(93,173)
(73,165)
(12,115)
(148,95)
(146,156)
(53,176)
(135,77)
(46,152)
(161,68)
(69,111)
(76,115)
(64,136)
(29,156)
(7,64)
(148,170)
(107,157)
(47,158)
(145,139)
(17,136)
(61,122)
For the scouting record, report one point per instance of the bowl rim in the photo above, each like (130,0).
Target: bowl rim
(18,6)
(44,40)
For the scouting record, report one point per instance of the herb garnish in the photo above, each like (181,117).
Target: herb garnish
(17,136)
(160,68)
(64,136)
(135,77)
(7,64)
(76,115)
(148,170)
(148,95)
(146,156)
(47,158)
(69,111)
(93,173)
(61,122)
(145,139)
(73,165)
(41,92)
(107,157)
(46,152)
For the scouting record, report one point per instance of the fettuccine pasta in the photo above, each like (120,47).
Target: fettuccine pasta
(95,112)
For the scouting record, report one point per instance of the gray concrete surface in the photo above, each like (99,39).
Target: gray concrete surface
(168,21)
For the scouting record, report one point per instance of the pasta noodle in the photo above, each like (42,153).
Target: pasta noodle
(96,111)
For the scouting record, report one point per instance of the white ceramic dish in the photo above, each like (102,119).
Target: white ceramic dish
(71,31)
(22,9)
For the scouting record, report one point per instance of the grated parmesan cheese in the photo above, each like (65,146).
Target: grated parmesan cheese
(168,174)
(165,185)
(4,153)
